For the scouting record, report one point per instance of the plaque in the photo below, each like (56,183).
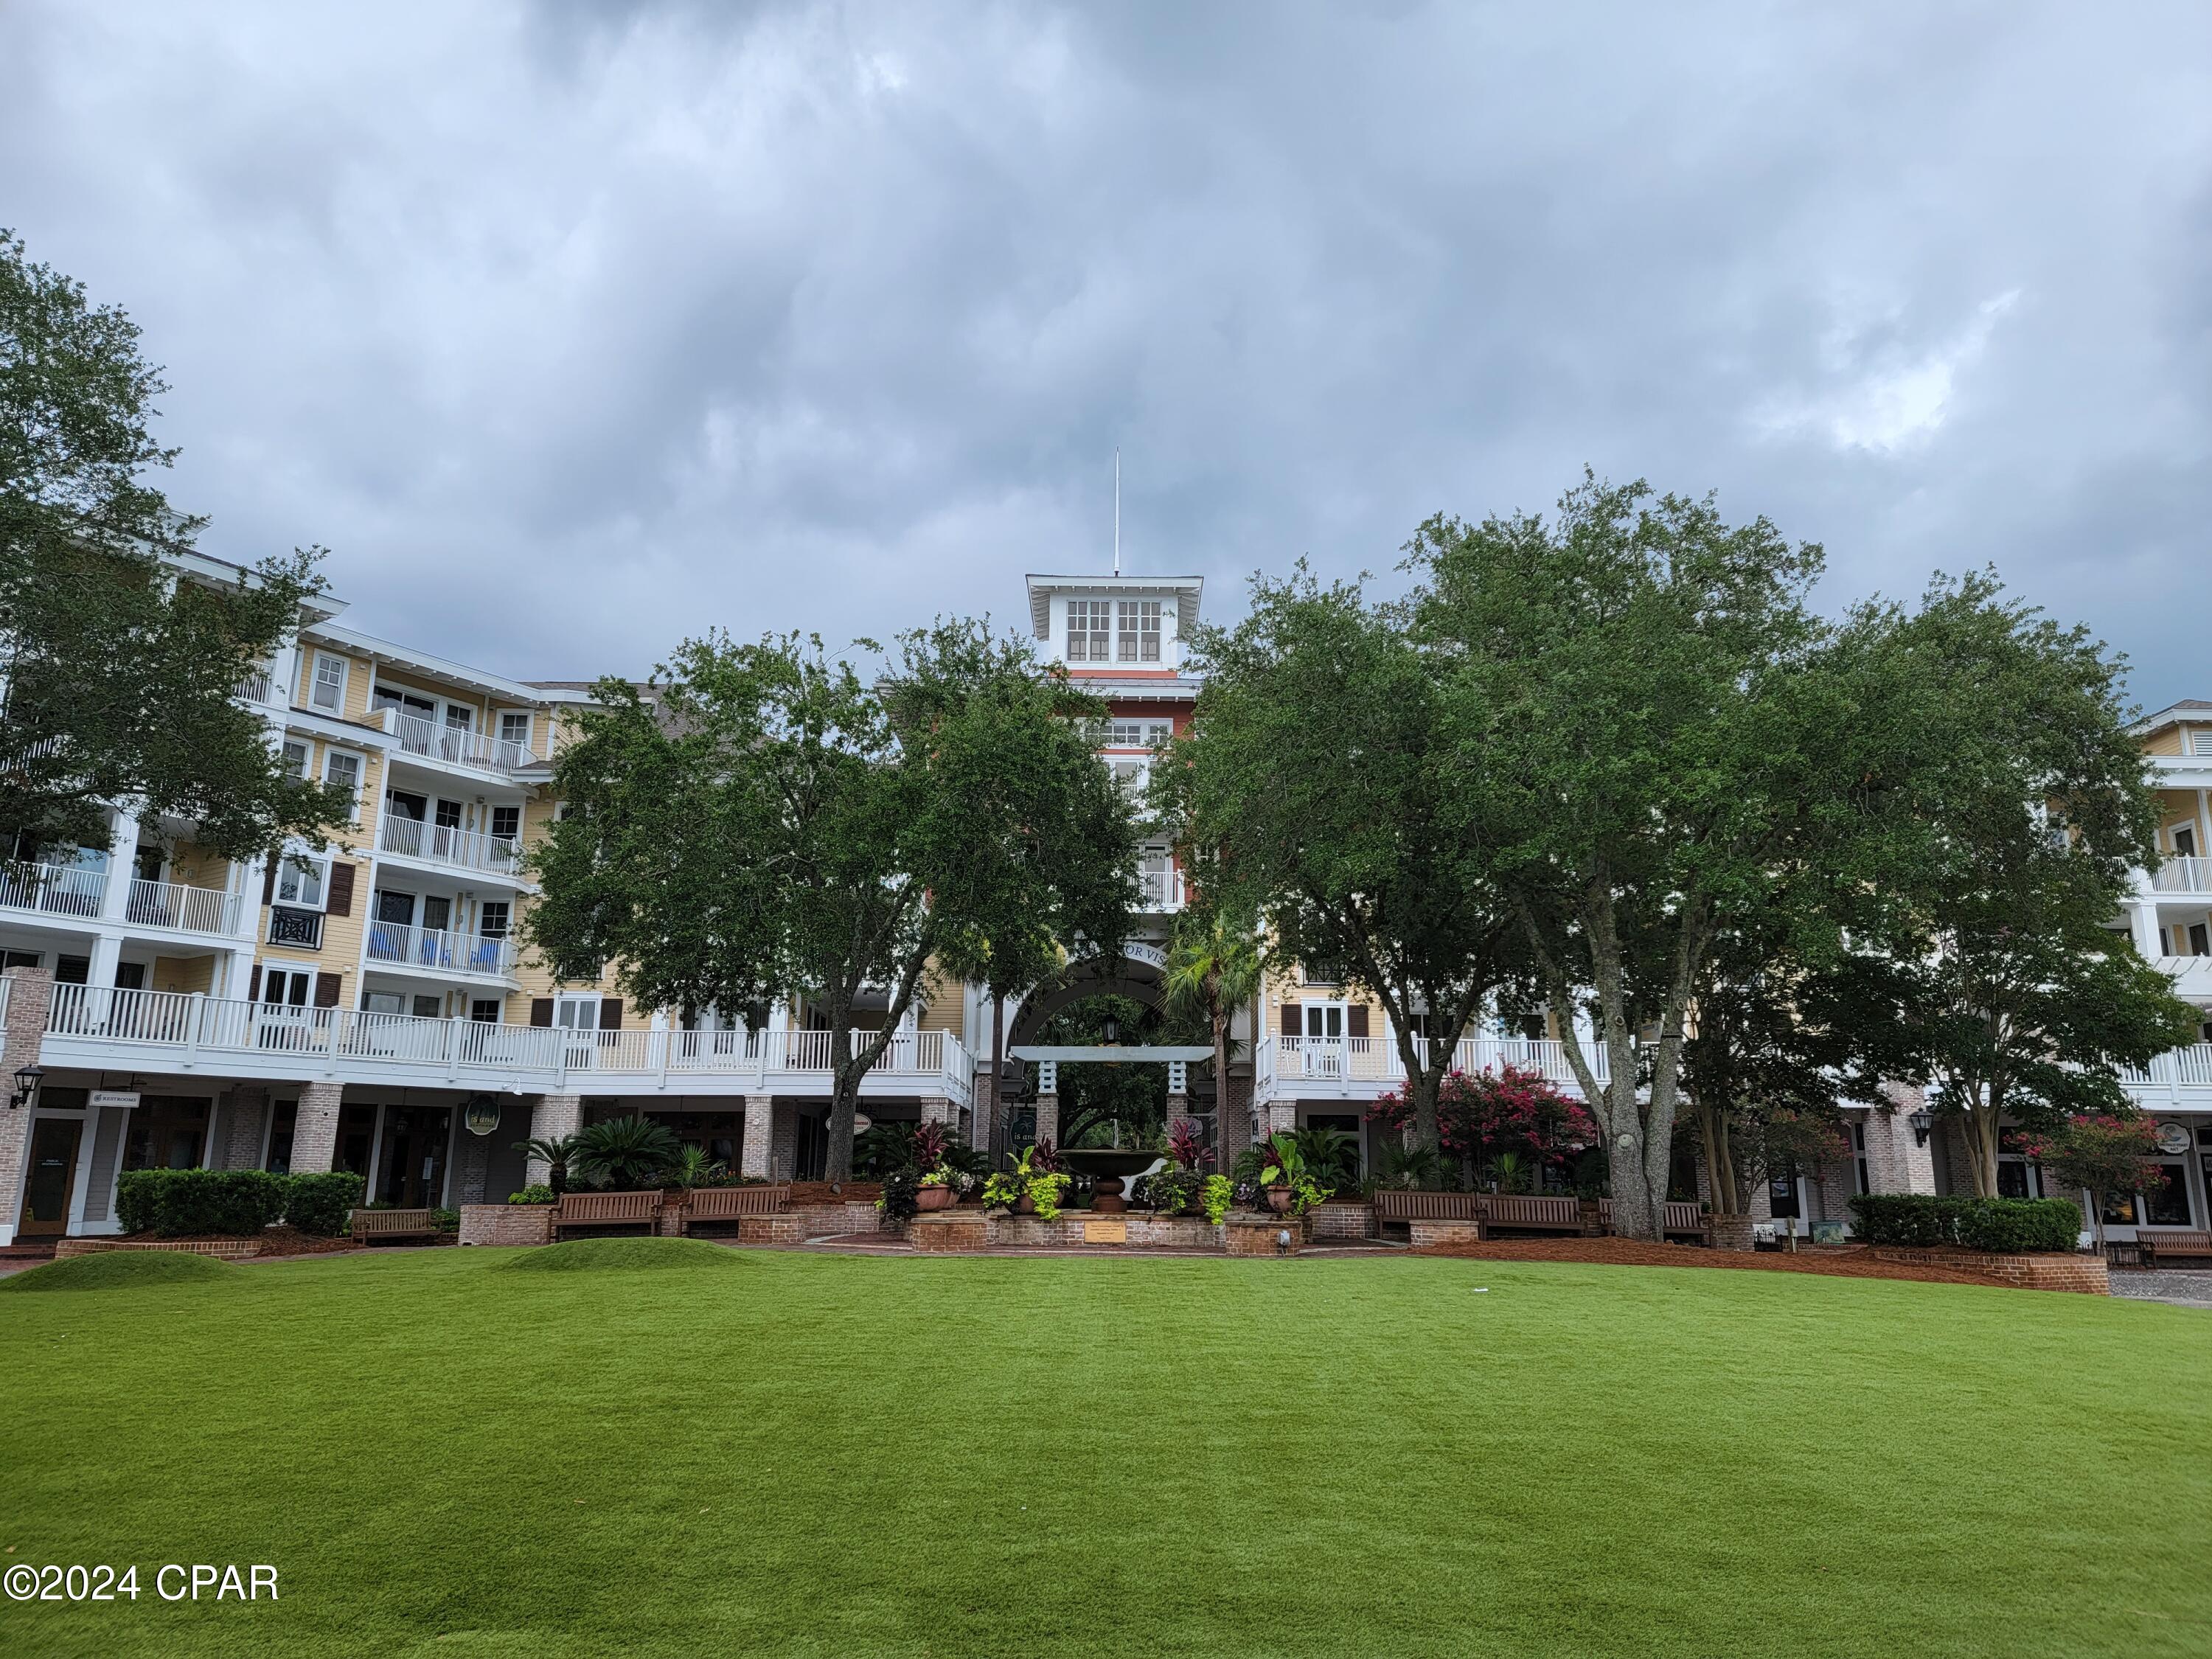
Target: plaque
(1115,1231)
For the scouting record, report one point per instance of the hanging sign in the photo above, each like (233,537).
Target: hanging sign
(481,1115)
(125,1098)
(2173,1138)
(862,1123)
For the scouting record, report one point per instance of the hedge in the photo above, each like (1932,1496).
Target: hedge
(2007,1226)
(176,1203)
(232,1203)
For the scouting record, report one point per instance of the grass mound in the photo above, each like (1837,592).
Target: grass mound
(622,1255)
(120,1270)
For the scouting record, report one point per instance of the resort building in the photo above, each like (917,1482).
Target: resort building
(368,1007)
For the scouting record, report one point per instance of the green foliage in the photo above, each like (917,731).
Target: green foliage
(1331,1156)
(1173,1191)
(1101,1103)
(197,1203)
(322,1203)
(2105,1153)
(118,1270)
(537,1193)
(1920,1221)
(449,1220)
(1028,1179)
(1213,969)
(900,1201)
(626,1153)
(1214,1200)
(554,1153)
(1415,1169)
(121,681)
(766,822)
(694,1166)
(1047,1190)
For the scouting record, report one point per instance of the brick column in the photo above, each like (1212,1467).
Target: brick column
(759,1124)
(315,1134)
(1048,1117)
(1896,1162)
(783,1139)
(936,1108)
(472,1164)
(245,1124)
(1178,1109)
(1232,1120)
(30,994)
(551,1116)
(1282,1117)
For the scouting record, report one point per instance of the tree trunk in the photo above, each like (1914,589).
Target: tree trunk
(844,1101)
(1980,1123)
(1720,1158)
(1223,1110)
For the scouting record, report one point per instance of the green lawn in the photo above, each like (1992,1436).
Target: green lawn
(813,1454)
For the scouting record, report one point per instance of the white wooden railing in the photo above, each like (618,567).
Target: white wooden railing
(196,909)
(2183,876)
(352,1040)
(465,849)
(2189,1067)
(1160,889)
(448,952)
(461,745)
(56,890)
(1376,1060)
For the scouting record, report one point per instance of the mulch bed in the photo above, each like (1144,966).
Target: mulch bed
(849,1192)
(1836,1260)
(274,1241)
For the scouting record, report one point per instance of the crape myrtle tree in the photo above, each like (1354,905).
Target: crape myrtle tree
(120,673)
(1316,791)
(761,823)
(1987,957)
(1632,689)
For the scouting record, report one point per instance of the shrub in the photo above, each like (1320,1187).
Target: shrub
(320,1203)
(901,1199)
(1171,1192)
(449,1221)
(1921,1221)
(1215,1197)
(2013,1224)
(539,1193)
(183,1203)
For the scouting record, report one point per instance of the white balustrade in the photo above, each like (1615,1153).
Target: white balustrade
(55,890)
(195,910)
(2183,876)
(459,745)
(436,843)
(440,950)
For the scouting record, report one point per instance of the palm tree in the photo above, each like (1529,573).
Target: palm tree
(553,1151)
(1213,969)
(694,1166)
(634,1151)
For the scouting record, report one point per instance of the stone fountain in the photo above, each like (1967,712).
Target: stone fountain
(1107,1166)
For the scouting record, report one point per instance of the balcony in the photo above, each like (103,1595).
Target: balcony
(434,950)
(457,849)
(193,910)
(1366,1067)
(301,930)
(1159,891)
(253,686)
(2183,876)
(54,890)
(456,745)
(101,1027)
(2181,1077)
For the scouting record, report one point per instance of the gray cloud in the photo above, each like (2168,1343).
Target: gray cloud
(575,328)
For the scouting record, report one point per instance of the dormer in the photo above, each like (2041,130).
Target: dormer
(1115,625)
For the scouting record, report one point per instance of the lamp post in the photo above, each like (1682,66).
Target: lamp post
(1922,1122)
(27,1079)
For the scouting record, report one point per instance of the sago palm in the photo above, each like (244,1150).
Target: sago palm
(554,1153)
(1213,969)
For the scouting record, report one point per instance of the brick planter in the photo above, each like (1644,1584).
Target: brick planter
(2057,1271)
(950,1231)
(1139,1229)
(1732,1232)
(1341,1221)
(223,1249)
(507,1224)
(1441,1231)
(1245,1233)
(850,1215)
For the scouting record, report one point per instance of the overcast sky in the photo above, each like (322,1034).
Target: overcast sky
(573,328)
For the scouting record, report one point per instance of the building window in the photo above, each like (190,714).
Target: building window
(295,757)
(328,692)
(1860,1170)
(514,729)
(1140,630)
(2166,1204)
(458,719)
(283,1119)
(302,881)
(506,822)
(2200,939)
(484,1011)
(343,769)
(492,919)
(1089,625)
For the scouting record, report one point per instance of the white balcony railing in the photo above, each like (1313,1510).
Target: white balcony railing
(195,910)
(434,844)
(1160,889)
(2179,1068)
(458,745)
(348,1041)
(441,952)
(54,890)
(2183,876)
(253,686)
(1376,1060)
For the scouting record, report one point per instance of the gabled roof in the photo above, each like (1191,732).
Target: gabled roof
(1186,589)
(2189,708)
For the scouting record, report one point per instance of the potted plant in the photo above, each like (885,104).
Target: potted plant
(1285,1180)
(937,1189)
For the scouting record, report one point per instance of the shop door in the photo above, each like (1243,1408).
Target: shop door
(52,1178)
(411,1174)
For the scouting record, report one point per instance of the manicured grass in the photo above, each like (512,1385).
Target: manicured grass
(822,1455)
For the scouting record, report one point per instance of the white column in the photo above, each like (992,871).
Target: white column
(106,953)
(122,868)
(2142,925)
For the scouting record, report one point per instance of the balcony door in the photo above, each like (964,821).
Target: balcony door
(287,1013)
(578,1017)
(1323,1047)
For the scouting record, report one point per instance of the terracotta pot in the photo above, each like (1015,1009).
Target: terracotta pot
(1279,1200)
(936,1197)
(1025,1205)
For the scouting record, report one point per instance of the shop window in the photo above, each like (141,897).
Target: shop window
(166,1132)
(356,1139)
(283,1119)
(2166,1205)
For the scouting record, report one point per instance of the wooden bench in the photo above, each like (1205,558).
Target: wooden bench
(607,1210)
(394,1224)
(2158,1246)
(1678,1219)
(1518,1213)
(1395,1206)
(734,1203)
